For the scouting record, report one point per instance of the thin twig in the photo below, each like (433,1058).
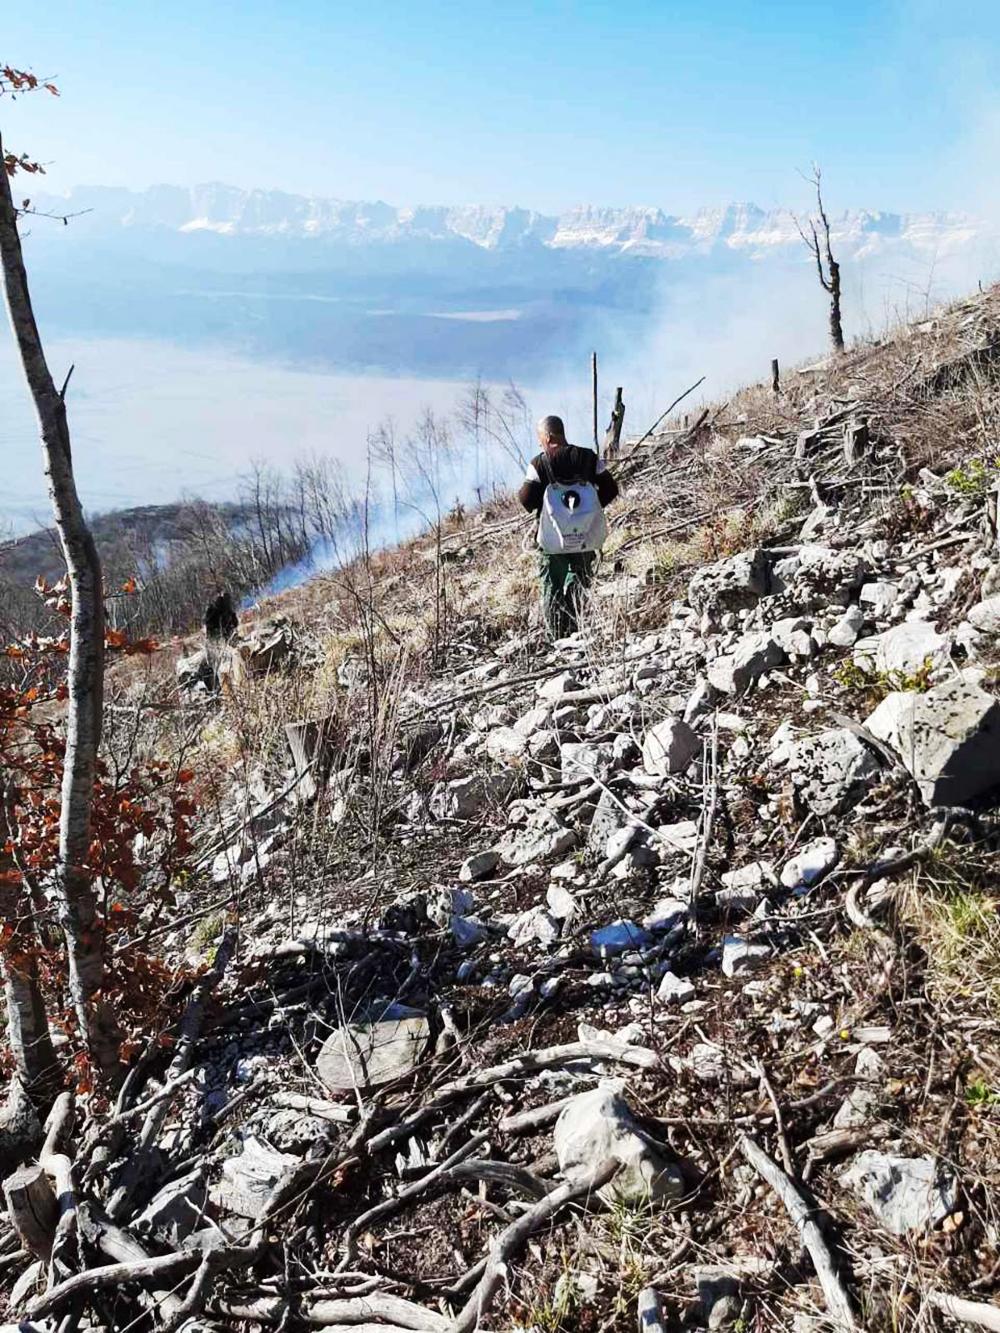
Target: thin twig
(838,1302)
(511,1240)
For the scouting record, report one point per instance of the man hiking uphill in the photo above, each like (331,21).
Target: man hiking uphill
(568,487)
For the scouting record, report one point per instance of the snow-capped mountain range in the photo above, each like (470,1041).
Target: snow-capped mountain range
(642,232)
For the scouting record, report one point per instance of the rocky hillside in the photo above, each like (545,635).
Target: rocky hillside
(650,978)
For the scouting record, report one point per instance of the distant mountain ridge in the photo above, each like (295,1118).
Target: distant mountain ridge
(643,232)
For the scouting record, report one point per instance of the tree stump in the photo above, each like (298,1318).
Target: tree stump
(311,743)
(33,1209)
(613,435)
(857,440)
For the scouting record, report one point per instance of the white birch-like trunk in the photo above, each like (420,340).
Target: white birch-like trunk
(27,1022)
(27,1025)
(76,900)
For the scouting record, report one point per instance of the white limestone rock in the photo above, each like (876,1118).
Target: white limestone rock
(584,759)
(817,576)
(905,649)
(504,744)
(757,875)
(555,687)
(443,903)
(905,1193)
(810,865)
(675,990)
(733,584)
(947,738)
(248,1178)
(862,1101)
(879,597)
(752,655)
(985,616)
(560,902)
(479,866)
(669,747)
(831,771)
(700,700)
(464,798)
(597,1125)
(846,631)
(680,838)
(536,924)
(739,955)
(535,719)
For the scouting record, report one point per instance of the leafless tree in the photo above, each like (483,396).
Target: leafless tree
(428,457)
(384,452)
(473,417)
(77,903)
(818,242)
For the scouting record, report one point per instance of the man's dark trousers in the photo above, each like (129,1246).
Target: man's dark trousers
(564,579)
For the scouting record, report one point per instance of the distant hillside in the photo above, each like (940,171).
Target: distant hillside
(37,553)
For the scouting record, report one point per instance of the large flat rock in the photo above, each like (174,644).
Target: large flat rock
(367,1055)
(948,739)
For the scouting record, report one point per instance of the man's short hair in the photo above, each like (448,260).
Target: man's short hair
(552,428)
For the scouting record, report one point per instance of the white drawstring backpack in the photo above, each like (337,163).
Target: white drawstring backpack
(572,519)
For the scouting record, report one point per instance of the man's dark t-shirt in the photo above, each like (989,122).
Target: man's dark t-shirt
(562,466)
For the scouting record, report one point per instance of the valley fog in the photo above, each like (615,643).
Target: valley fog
(151,422)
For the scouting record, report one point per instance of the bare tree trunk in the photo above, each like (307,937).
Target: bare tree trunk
(613,435)
(836,327)
(27,1025)
(829,278)
(77,904)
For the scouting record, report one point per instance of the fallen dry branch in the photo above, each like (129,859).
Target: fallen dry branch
(377,1308)
(513,1238)
(525,1122)
(638,1057)
(663,415)
(512,1177)
(969,1312)
(333,1111)
(838,1302)
(154,1099)
(125,1249)
(56,1159)
(148,1270)
(138,1171)
(392,1205)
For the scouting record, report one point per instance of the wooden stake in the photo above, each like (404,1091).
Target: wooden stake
(593,367)
(775,376)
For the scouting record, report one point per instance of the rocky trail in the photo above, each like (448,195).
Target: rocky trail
(655,981)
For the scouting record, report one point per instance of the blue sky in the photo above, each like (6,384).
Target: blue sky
(546,104)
